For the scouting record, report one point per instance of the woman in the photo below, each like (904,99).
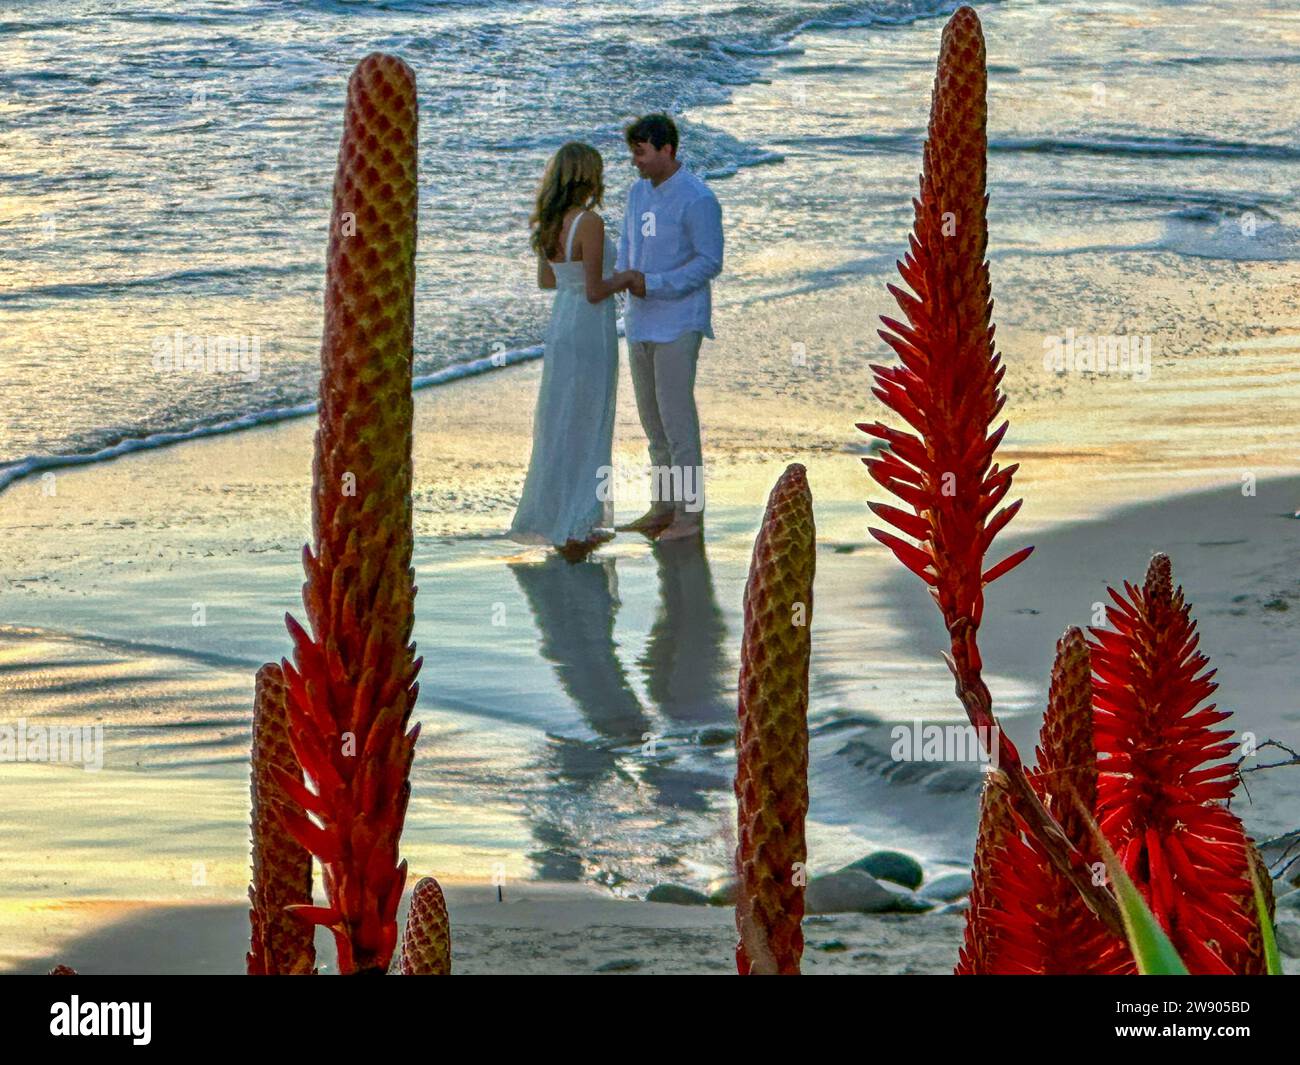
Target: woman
(566,501)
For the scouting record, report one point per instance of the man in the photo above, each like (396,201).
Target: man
(672,241)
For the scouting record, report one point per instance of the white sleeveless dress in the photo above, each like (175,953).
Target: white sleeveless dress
(567,493)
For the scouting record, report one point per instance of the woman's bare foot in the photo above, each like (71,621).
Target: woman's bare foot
(577,550)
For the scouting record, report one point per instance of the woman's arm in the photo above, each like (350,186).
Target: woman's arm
(545,275)
(591,239)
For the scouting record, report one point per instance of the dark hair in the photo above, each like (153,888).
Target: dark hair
(657,129)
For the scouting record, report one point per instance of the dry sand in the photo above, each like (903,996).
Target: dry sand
(538,929)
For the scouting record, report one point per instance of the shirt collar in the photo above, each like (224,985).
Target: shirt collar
(658,189)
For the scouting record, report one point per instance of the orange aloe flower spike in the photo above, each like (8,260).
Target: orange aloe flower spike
(1025,916)
(426,946)
(282,944)
(772,738)
(352,687)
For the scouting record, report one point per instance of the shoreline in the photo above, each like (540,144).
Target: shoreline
(16,470)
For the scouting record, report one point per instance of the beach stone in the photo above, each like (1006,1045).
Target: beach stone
(677,895)
(619,965)
(959,906)
(947,888)
(893,866)
(848,891)
(722,891)
(1288,938)
(715,736)
(906,901)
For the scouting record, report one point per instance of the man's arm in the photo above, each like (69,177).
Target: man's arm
(702,226)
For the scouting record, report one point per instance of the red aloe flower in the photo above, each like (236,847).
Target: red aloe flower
(1025,917)
(772,738)
(282,943)
(1163,777)
(948,391)
(354,686)
(947,387)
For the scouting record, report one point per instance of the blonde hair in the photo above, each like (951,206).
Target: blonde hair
(574,177)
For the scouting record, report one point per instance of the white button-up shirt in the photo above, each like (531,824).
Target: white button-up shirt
(673,235)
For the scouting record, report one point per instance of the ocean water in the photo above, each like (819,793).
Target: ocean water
(166,167)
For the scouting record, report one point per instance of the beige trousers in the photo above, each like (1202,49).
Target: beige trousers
(663,377)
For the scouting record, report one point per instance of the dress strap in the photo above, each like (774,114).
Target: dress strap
(568,244)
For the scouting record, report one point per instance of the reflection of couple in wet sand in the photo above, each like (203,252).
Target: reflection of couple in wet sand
(669,251)
(687,675)
(686,685)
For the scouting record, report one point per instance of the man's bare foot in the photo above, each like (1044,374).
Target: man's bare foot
(682,528)
(652,522)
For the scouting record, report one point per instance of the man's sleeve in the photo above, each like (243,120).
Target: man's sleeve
(702,227)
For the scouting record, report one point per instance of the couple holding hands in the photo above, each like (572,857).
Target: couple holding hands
(669,251)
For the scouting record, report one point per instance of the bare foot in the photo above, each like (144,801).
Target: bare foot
(650,523)
(577,550)
(682,528)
